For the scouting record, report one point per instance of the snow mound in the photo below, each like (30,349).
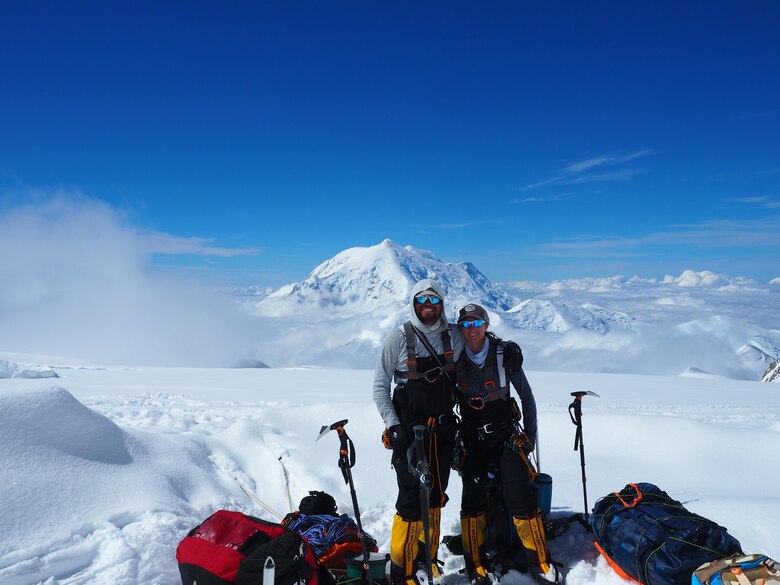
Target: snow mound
(87,501)
(539,315)
(10,369)
(55,420)
(692,372)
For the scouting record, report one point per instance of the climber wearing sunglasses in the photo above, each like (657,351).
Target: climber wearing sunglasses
(417,362)
(493,439)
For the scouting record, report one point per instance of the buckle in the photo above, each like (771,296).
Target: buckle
(445,418)
(435,421)
(435,374)
(477,403)
(484,430)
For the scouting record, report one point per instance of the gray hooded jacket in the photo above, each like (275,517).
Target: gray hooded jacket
(391,363)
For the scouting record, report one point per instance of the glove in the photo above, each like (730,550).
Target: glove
(523,444)
(399,438)
(513,357)
(527,447)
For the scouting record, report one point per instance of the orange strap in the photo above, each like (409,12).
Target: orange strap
(615,566)
(637,499)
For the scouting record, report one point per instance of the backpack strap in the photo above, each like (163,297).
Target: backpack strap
(494,362)
(446,342)
(500,365)
(411,352)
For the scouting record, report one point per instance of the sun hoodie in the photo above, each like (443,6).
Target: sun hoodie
(391,362)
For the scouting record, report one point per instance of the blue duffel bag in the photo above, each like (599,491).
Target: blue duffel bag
(648,537)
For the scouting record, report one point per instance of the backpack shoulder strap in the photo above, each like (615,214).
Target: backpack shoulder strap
(411,351)
(500,365)
(446,342)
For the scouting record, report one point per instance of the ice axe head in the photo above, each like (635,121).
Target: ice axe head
(336,426)
(581,393)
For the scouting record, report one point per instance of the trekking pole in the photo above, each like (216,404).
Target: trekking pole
(418,467)
(575,412)
(346,463)
(538,450)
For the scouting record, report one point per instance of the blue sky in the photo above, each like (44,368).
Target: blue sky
(250,141)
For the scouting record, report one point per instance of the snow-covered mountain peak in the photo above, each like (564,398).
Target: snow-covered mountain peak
(360,280)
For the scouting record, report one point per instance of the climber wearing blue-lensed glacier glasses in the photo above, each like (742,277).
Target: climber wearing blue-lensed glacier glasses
(493,441)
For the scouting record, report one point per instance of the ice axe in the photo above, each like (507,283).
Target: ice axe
(575,412)
(346,463)
(418,467)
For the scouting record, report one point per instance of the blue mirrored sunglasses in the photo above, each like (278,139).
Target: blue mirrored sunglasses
(469,324)
(428,299)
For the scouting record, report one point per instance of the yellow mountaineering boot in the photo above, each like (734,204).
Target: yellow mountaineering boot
(530,529)
(473,537)
(404,539)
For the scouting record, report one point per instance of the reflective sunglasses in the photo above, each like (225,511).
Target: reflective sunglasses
(427,299)
(469,324)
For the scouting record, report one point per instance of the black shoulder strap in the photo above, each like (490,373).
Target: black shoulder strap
(448,365)
(411,353)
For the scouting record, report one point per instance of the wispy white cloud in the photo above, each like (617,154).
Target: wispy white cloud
(162,243)
(761,201)
(623,175)
(748,200)
(605,159)
(543,198)
(459,225)
(575,173)
(761,232)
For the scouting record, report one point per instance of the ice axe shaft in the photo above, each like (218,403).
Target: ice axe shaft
(346,463)
(418,467)
(575,413)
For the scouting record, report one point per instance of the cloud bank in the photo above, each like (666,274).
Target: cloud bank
(77,281)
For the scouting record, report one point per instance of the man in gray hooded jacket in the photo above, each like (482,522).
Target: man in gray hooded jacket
(419,357)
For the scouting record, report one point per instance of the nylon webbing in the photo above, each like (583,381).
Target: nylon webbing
(410,332)
(411,351)
(493,362)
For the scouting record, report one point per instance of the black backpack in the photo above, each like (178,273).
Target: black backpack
(318,503)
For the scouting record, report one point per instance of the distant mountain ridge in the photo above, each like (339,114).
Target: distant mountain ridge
(378,279)
(365,279)
(772,373)
(339,315)
(539,315)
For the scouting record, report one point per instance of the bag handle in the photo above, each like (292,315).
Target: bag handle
(637,499)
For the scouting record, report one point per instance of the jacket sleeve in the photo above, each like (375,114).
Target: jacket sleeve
(527,403)
(388,368)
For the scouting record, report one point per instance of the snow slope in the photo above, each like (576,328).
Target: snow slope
(105,472)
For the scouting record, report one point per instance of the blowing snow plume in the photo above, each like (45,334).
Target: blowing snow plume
(77,281)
